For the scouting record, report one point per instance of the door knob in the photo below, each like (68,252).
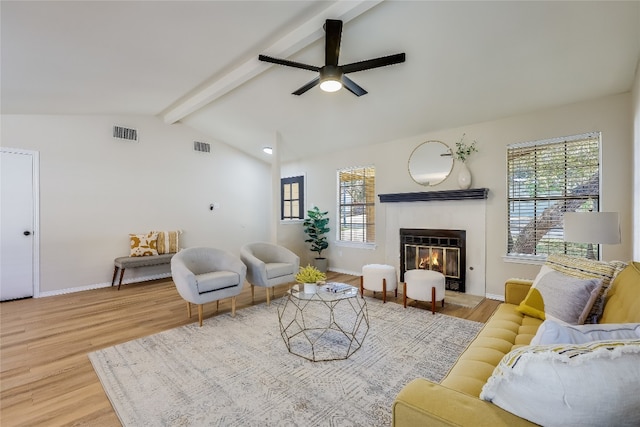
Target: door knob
(27,233)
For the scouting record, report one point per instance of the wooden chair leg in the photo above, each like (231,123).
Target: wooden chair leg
(115,272)
(253,290)
(121,274)
(268,297)
(233,306)
(433,300)
(404,294)
(361,286)
(396,291)
(200,313)
(188,309)
(218,305)
(384,290)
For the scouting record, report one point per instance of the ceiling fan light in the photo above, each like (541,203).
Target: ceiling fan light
(330,78)
(330,85)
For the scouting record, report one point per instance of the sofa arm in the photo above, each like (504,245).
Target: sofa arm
(423,403)
(515,290)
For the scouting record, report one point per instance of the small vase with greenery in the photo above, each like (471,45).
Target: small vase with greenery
(309,276)
(315,226)
(463,151)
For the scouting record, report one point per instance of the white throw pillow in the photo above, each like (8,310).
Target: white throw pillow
(594,384)
(551,332)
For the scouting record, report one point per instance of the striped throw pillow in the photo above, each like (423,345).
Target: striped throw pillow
(168,241)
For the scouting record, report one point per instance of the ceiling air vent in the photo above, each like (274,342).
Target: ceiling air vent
(203,147)
(125,133)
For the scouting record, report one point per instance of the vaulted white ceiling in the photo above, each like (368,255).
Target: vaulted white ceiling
(196,62)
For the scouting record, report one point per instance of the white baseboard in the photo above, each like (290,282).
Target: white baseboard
(495,297)
(341,271)
(100,285)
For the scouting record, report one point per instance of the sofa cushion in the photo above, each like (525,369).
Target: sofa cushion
(560,296)
(279,269)
(584,268)
(144,244)
(592,384)
(217,280)
(551,332)
(506,328)
(623,303)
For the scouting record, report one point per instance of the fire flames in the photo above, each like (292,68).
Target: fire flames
(431,262)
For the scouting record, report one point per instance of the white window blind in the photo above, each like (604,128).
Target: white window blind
(356,188)
(546,179)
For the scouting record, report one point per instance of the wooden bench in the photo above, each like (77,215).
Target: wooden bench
(125,262)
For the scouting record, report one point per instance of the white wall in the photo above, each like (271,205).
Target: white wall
(429,215)
(610,115)
(636,165)
(95,190)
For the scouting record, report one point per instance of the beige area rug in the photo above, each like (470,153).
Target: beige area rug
(238,372)
(462,299)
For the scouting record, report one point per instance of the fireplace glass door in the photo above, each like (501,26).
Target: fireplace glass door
(441,259)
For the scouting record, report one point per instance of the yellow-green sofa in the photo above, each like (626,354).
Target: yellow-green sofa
(455,401)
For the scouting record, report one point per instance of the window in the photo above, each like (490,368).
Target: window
(356,187)
(292,198)
(546,179)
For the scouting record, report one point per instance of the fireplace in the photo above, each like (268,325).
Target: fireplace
(439,250)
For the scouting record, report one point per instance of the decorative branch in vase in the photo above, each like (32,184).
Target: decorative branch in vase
(462,153)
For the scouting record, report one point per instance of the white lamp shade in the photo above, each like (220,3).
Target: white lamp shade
(592,227)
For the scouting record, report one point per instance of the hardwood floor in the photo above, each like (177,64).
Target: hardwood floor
(46,377)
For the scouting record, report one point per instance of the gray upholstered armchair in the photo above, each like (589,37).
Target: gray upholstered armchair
(269,265)
(206,274)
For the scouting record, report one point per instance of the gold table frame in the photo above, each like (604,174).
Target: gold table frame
(323,326)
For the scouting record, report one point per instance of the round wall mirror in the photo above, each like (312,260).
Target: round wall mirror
(430,163)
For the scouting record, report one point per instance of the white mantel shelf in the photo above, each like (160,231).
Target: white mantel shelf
(433,196)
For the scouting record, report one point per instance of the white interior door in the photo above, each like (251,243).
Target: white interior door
(18,239)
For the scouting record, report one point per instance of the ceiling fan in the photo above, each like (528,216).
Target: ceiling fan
(332,76)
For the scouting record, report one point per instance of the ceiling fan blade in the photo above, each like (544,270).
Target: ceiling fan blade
(288,63)
(374,63)
(352,86)
(306,87)
(333,28)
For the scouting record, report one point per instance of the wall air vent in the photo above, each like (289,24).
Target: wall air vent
(203,147)
(125,133)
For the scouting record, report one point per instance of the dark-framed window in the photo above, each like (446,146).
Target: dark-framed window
(292,198)
(357,213)
(545,179)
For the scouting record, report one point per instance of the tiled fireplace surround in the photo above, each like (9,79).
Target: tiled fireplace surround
(468,214)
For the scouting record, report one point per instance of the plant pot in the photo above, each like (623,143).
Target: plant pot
(321,264)
(310,288)
(464,177)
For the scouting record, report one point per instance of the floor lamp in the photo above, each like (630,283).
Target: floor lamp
(592,227)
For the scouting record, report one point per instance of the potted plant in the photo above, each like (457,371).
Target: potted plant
(310,276)
(315,226)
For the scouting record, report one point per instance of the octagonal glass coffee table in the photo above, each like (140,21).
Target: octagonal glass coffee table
(330,324)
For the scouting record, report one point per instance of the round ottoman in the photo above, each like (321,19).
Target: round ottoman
(424,285)
(379,278)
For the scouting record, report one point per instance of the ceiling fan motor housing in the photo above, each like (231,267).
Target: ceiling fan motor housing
(332,76)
